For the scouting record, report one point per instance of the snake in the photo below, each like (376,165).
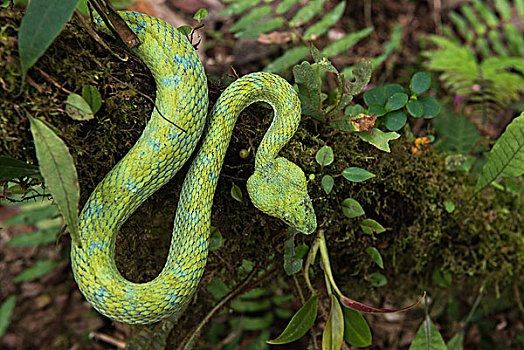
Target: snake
(277,187)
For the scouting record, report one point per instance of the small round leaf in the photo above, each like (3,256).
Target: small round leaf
(395,120)
(396,101)
(377,279)
(377,110)
(420,83)
(431,106)
(351,208)
(375,96)
(415,108)
(327,183)
(392,89)
(325,156)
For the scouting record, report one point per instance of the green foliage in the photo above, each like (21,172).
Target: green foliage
(11,168)
(428,337)
(78,108)
(356,329)
(375,255)
(333,334)
(6,310)
(457,133)
(481,59)
(351,208)
(43,21)
(59,173)
(325,156)
(355,174)
(506,159)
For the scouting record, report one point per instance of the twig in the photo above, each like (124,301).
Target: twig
(115,23)
(108,339)
(53,81)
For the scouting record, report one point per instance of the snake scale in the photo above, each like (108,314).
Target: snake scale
(277,187)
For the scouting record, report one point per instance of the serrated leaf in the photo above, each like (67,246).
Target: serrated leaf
(236,193)
(92,96)
(396,101)
(351,208)
(325,156)
(428,331)
(377,279)
(260,28)
(301,322)
(309,87)
(378,138)
(39,237)
(11,168)
(40,268)
(420,83)
(78,108)
(6,310)
(415,108)
(333,334)
(431,106)
(395,120)
(506,158)
(356,329)
(328,20)
(288,59)
(327,183)
(369,226)
(355,174)
(362,75)
(215,239)
(59,172)
(375,255)
(41,24)
(345,42)
(200,14)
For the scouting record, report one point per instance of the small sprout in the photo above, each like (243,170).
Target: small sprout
(200,15)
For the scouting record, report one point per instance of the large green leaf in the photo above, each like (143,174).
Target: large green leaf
(11,168)
(300,323)
(507,155)
(42,22)
(333,335)
(59,172)
(356,329)
(428,337)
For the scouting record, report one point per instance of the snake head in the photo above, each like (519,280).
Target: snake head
(280,189)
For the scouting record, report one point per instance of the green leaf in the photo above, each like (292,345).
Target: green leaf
(506,158)
(307,78)
(312,8)
(375,96)
(396,101)
(458,133)
(328,20)
(263,27)
(327,183)
(431,106)
(456,343)
(41,24)
(351,208)
(237,7)
(325,156)
(292,264)
(200,15)
(216,241)
(345,42)
(11,168)
(449,206)
(391,89)
(236,193)
(377,110)
(301,322)
(420,83)
(40,268)
(39,237)
(254,15)
(78,108)
(428,331)
(59,172)
(33,215)
(356,329)
(442,277)
(415,108)
(377,279)
(184,30)
(362,74)
(6,310)
(288,59)
(92,96)
(378,138)
(395,120)
(333,335)
(355,174)
(375,255)
(285,5)
(369,226)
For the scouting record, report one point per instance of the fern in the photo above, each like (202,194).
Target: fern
(310,20)
(506,159)
(481,58)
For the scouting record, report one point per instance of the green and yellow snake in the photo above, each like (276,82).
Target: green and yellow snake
(277,187)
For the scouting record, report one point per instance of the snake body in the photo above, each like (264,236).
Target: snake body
(278,187)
